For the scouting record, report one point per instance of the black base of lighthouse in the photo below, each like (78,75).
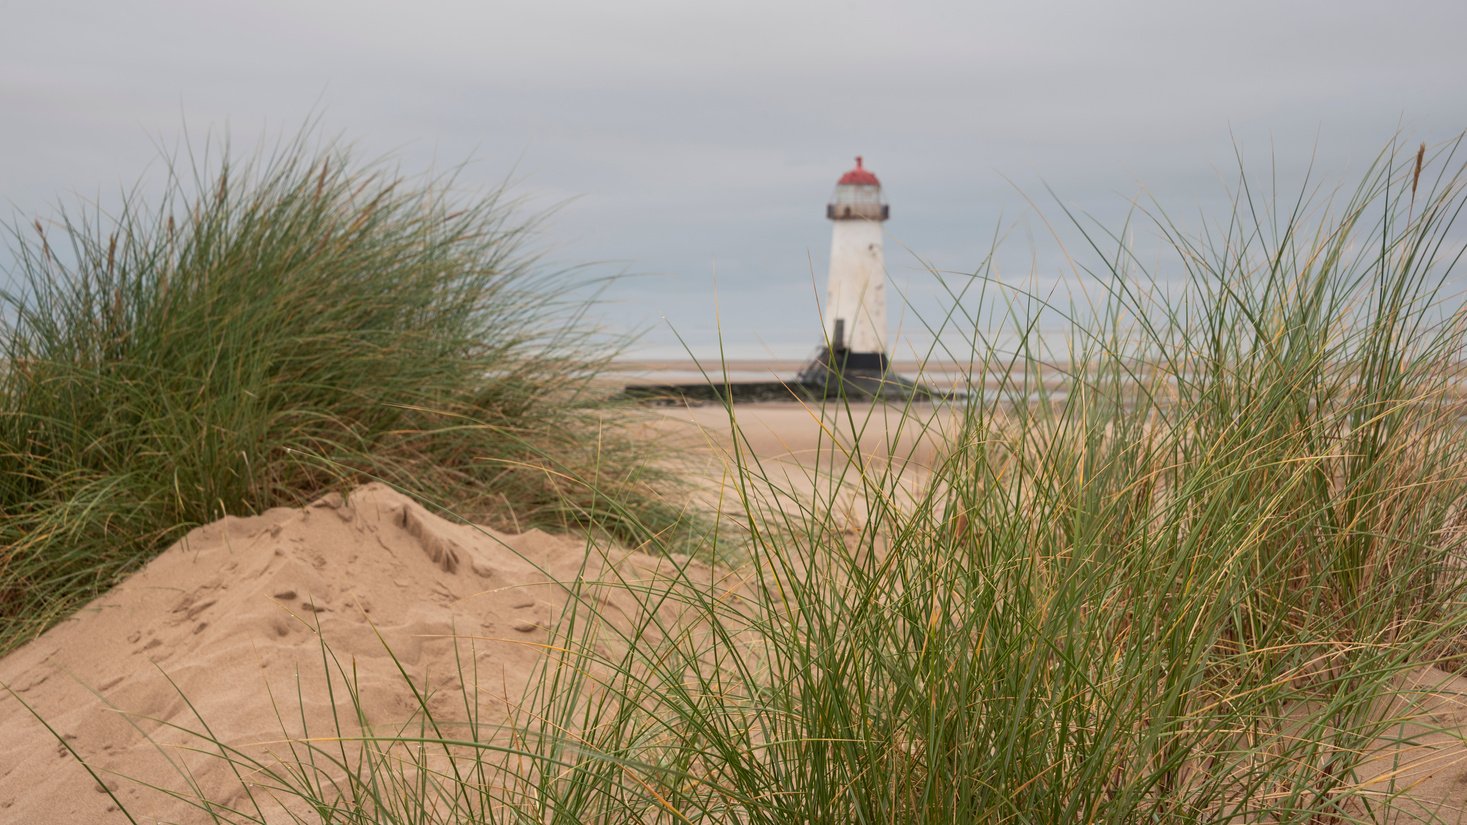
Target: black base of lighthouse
(833,374)
(837,372)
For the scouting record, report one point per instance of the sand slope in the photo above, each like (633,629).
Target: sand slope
(229,615)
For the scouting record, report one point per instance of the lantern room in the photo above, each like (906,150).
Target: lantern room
(857,197)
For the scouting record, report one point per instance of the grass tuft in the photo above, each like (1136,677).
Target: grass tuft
(1188,568)
(267,330)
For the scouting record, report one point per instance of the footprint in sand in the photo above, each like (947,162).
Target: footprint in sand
(280,626)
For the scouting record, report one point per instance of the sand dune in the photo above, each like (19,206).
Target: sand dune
(228,617)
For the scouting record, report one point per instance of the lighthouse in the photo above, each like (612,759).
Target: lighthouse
(855,316)
(855,309)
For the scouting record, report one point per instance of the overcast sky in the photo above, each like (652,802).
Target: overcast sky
(695,144)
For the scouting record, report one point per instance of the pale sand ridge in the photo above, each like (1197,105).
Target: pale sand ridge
(229,614)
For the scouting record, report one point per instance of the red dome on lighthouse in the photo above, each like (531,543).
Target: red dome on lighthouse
(858,176)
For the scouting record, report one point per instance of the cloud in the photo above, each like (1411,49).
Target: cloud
(689,135)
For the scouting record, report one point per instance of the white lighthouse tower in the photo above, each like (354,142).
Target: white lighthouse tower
(855,316)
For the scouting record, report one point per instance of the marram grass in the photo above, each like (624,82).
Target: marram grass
(1192,584)
(267,330)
